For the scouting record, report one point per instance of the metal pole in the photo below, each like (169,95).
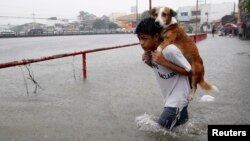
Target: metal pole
(136,12)
(207,21)
(84,66)
(150,5)
(196,19)
(234,10)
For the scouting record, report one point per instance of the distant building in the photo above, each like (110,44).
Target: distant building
(36,31)
(113,17)
(25,28)
(56,25)
(6,32)
(184,14)
(128,21)
(205,14)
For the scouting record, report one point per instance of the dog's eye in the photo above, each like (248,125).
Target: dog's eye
(155,15)
(164,14)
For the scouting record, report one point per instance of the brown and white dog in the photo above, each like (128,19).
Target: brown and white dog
(173,34)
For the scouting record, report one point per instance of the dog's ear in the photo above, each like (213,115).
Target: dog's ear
(152,11)
(172,13)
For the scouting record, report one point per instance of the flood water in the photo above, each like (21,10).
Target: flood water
(120,100)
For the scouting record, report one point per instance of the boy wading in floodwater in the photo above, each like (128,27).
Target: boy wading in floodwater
(170,70)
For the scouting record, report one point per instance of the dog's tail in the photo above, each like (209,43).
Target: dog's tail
(208,87)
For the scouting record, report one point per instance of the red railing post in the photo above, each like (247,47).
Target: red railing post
(84,69)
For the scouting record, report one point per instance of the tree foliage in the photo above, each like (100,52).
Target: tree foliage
(245,6)
(248,5)
(102,23)
(99,24)
(113,25)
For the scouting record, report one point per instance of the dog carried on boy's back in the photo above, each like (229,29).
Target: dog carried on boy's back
(173,34)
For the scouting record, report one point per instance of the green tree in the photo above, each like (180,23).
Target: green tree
(104,23)
(244,5)
(113,25)
(82,15)
(248,5)
(86,20)
(99,24)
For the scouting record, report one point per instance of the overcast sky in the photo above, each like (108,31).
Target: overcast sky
(70,8)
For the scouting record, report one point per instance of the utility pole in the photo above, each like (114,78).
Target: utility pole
(34,20)
(196,20)
(33,15)
(234,10)
(137,12)
(207,21)
(150,5)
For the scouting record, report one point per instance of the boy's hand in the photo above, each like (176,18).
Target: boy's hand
(158,58)
(146,57)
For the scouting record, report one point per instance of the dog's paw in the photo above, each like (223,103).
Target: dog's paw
(215,89)
(147,61)
(190,97)
(159,49)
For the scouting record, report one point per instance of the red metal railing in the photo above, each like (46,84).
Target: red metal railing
(83,53)
(197,37)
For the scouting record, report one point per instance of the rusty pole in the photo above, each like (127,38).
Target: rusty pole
(84,69)
(196,20)
(150,5)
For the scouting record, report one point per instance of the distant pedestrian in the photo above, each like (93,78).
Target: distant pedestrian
(230,32)
(244,28)
(213,30)
(240,31)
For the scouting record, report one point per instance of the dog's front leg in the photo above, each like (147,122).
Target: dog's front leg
(168,39)
(164,44)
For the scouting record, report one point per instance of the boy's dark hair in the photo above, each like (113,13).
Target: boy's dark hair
(147,26)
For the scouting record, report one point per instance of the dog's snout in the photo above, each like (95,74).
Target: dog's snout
(157,23)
